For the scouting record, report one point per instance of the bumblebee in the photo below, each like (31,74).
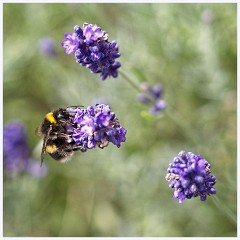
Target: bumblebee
(59,149)
(56,141)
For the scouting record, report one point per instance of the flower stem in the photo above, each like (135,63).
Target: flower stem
(129,80)
(223,207)
(182,123)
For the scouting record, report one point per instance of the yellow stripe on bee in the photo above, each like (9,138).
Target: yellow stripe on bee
(51,148)
(51,118)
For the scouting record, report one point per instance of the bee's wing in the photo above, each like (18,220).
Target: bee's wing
(38,131)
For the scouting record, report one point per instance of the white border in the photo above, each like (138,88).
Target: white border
(106,1)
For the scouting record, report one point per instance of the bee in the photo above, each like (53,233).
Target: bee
(59,149)
(56,141)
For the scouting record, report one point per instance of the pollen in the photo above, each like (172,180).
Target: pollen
(51,118)
(51,148)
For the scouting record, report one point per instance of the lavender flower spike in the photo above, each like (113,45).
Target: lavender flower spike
(15,148)
(71,43)
(16,152)
(95,127)
(190,176)
(152,96)
(47,47)
(93,50)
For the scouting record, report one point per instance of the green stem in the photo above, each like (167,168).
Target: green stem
(92,208)
(171,112)
(181,122)
(223,207)
(135,86)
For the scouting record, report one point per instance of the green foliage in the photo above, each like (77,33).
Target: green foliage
(191,50)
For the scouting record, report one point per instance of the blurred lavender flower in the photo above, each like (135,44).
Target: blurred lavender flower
(47,46)
(93,50)
(15,148)
(95,127)
(190,176)
(152,96)
(207,17)
(16,151)
(36,171)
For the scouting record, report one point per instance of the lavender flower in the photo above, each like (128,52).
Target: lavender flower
(16,153)
(71,43)
(207,17)
(190,176)
(47,46)
(152,96)
(93,50)
(15,148)
(95,127)
(36,171)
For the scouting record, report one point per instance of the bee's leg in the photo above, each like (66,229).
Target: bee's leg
(77,148)
(72,108)
(45,144)
(72,148)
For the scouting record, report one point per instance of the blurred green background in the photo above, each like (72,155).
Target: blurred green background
(191,50)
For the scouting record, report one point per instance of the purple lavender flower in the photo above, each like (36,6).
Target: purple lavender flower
(36,171)
(16,153)
(71,43)
(190,176)
(92,32)
(93,50)
(96,127)
(152,96)
(207,17)
(15,148)
(47,46)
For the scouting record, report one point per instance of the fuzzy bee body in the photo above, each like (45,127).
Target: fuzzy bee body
(56,141)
